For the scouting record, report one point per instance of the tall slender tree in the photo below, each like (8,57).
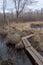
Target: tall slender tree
(4,8)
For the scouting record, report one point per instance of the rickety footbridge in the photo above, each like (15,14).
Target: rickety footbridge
(35,55)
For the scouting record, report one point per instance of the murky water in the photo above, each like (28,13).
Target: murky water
(9,52)
(41,53)
(3,48)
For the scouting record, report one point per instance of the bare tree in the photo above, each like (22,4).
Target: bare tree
(6,21)
(20,5)
(4,13)
(4,8)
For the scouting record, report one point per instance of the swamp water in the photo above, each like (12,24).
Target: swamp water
(9,52)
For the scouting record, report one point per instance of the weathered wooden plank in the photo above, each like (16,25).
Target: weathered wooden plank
(25,43)
(36,56)
(28,36)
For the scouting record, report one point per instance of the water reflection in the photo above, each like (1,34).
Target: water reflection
(3,48)
(9,52)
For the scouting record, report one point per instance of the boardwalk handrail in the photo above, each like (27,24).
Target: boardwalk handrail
(36,56)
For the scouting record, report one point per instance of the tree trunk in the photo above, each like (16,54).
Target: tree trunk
(4,17)
(17,16)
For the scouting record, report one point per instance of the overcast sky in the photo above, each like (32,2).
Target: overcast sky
(10,5)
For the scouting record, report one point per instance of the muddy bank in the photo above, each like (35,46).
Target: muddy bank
(14,36)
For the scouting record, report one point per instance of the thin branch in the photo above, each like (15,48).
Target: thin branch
(23,6)
(19,3)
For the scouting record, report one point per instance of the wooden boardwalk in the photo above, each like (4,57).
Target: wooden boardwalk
(35,55)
